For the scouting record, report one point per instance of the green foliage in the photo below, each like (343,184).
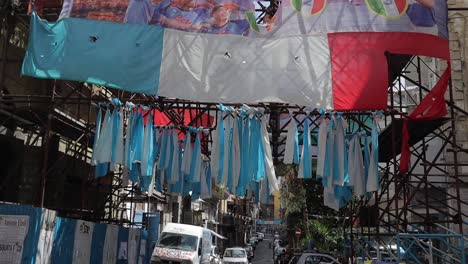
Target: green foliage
(303,201)
(324,236)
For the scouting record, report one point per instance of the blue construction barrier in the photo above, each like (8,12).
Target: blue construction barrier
(30,235)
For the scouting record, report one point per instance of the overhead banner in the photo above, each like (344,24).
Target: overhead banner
(319,53)
(294,17)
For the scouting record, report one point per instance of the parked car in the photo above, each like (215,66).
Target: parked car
(260,236)
(294,258)
(215,258)
(253,241)
(235,255)
(250,252)
(248,244)
(316,258)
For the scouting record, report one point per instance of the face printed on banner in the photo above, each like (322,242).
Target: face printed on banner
(220,15)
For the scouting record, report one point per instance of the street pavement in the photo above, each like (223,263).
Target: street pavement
(263,254)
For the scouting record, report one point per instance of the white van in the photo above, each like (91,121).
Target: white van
(184,244)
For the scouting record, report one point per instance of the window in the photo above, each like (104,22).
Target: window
(178,241)
(234,253)
(318,260)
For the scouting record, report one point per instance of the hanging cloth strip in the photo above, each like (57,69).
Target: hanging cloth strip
(339,158)
(195,167)
(261,170)
(101,168)
(187,157)
(157,138)
(147,158)
(118,158)
(175,165)
(152,186)
(138,138)
(305,166)
(356,166)
(236,155)
(228,120)
(218,157)
(128,141)
(230,156)
(327,179)
(104,147)
(269,167)
(169,151)
(177,187)
(244,174)
(291,152)
(205,181)
(321,146)
(116,140)
(252,161)
(372,184)
(165,145)
(96,137)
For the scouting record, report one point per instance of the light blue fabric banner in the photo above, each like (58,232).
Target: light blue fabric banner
(122,246)
(121,56)
(143,256)
(97,247)
(64,238)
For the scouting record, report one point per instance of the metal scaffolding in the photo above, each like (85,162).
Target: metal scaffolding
(427,199)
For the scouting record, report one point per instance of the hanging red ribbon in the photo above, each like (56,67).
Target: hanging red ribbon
(431,107)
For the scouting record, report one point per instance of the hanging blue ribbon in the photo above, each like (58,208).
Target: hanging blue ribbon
(157,138)
(129,141)
(296,143)
(177,186)
(366,157)
(306,155)
(101,170)
(135,173)
(162,156)
(138,137)
(221,140)
(148,171)
(253,150)
(230,157)
(244,176)
(261,153)
(327,171)
(195,159)
(96,134)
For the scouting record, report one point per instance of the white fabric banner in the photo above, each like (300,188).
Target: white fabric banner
(83,240)
(133,240)
(46,236)
(110,244)
(13,230)
(236,69)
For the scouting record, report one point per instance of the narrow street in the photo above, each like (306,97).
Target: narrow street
(263,254)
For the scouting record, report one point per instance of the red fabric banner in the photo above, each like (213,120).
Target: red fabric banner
(359,65)
(433,106)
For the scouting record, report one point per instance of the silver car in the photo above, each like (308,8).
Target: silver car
(316,258)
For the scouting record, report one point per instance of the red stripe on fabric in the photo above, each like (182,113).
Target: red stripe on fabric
(401,4)
(359,65)
(318,5)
